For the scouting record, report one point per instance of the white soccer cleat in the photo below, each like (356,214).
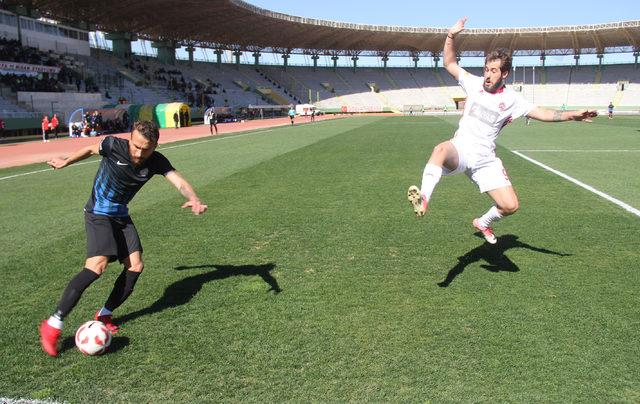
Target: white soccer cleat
(418,203)
(487,232)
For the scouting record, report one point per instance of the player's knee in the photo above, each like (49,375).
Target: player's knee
(510,208)
(138,267)
(97,264)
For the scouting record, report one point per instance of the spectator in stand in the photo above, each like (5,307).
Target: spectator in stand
(54,125)
(45,128)
(2,128)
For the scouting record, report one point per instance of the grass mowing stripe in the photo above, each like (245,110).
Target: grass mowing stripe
(242,134)
(608,197)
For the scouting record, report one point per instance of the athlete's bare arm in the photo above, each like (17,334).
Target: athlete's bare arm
(193,202)
(450,62)
(550,115)
(81,154)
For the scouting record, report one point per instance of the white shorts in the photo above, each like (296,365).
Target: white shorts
(487,172)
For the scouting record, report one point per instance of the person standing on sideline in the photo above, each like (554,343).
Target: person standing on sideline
(45,128)
(125,167)
(213,120)
(176,119)
(610,108)
(54,125)
(490,106)
(292,114)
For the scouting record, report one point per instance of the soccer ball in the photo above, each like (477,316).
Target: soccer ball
(93,338)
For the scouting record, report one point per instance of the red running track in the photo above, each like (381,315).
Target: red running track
(19,154)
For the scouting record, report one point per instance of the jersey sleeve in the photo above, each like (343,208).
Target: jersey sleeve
(160,164)
(468,81)
(106,145)
(522,107)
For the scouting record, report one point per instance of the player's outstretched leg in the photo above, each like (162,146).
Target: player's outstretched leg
(487,232)
(417,201)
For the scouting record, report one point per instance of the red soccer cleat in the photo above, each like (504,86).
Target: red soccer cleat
(487,232)
(107,321)
(49,338)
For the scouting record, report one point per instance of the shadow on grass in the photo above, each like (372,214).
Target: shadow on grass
(117,343)
(182,291)
(493,255)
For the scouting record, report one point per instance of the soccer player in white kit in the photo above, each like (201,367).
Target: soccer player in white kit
(489,107)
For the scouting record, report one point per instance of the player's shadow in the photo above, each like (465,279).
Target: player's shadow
(117,343)
(494,256)
(182,291)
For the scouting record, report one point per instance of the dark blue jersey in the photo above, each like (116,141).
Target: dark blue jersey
(118,179)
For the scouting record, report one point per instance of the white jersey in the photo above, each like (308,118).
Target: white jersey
(485,114)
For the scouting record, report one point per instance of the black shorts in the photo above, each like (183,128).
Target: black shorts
(113,237)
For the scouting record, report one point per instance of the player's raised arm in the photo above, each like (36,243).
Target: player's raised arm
(193,202)
(81,154)
(550,115)
(450,61)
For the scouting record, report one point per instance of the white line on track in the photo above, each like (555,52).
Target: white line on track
(581,184)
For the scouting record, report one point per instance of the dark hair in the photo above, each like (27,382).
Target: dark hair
(502,55)
(148,129)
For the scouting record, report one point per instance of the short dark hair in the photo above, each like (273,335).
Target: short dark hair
(148,129)
(501,54)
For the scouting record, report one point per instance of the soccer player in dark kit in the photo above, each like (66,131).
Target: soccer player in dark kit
(125,167)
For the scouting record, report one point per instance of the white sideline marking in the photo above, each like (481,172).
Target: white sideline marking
(159,149)
(582,151)
(618,202)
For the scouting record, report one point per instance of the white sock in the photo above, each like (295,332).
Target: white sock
(430,177)
(492,215)
(55,322)
(105,312)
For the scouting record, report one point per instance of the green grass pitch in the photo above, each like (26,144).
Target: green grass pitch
(309,278)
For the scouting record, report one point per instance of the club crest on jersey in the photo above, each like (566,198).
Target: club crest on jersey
(144,172)
(502,107)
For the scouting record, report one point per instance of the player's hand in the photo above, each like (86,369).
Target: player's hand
(196,206)
(57,163)
(585,115)
(457,27)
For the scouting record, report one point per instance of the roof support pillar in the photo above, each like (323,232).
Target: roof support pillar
(190,49)
(335,61)
(577,58)
(355,62)
(256,58)
(543,58)
(315,58)
(415,59)
(436,59)
(237,55)
(600,57)
(385,59)
(121,43)
(166,51)
(219,53)
(285,60)
(635,55)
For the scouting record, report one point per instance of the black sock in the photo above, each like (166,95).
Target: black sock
(122,289)
(74,290)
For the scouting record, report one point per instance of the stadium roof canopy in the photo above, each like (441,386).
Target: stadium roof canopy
(236,24)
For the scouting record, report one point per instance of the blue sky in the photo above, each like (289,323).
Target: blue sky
(482,14)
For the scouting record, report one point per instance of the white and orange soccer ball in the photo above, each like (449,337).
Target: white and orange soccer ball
(93,338)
